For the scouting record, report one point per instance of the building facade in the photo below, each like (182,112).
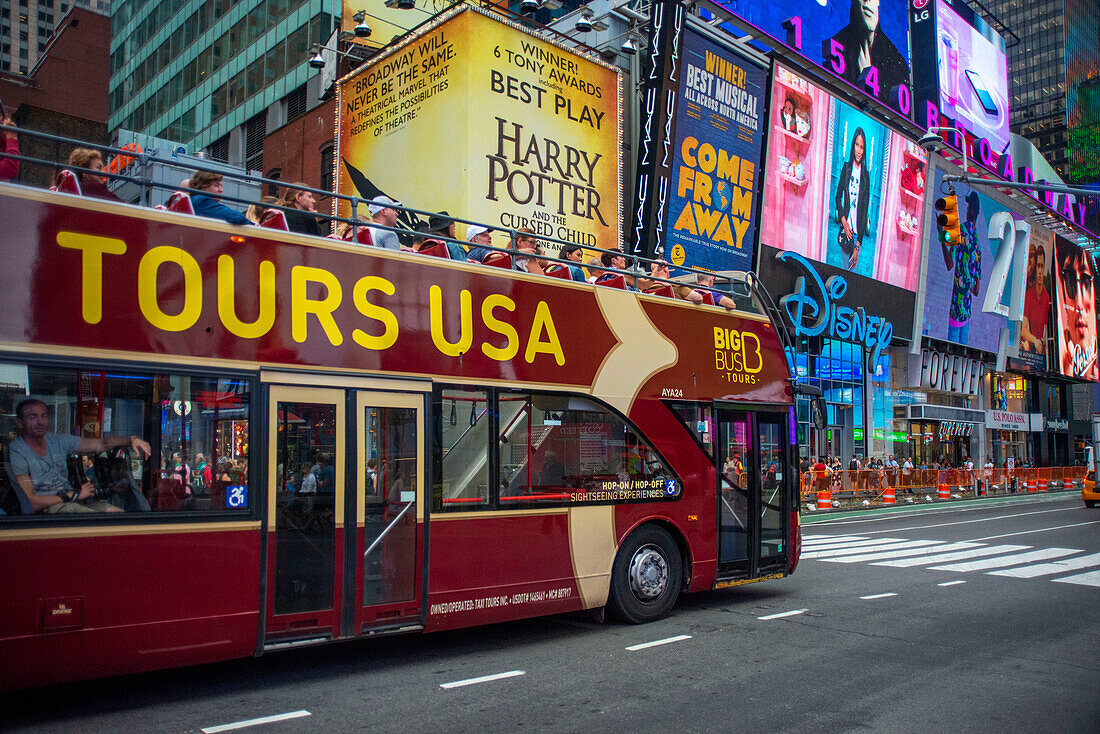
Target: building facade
(1059,47)
(26,27)
(215,74)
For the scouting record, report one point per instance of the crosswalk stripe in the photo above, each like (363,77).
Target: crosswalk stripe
(943,557)
(1046,569)
(868,548)
(1092,578)
(823,539)
(900,553)
(1014,560)
(842,543)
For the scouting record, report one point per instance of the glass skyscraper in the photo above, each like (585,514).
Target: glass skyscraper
(215,74)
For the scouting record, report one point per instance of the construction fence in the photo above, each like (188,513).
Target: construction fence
(886,486)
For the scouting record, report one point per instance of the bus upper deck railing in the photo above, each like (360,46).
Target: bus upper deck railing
(743,288)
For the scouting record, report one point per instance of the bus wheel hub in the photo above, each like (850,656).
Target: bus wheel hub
(648,573)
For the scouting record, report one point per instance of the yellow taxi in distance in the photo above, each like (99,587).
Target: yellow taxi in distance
(1088,490)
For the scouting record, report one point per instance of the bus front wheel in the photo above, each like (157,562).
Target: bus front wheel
(647,576)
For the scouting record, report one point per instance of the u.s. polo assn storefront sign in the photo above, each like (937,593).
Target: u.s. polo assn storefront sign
(1005,421)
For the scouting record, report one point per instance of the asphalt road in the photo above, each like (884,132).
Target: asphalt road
(972,627)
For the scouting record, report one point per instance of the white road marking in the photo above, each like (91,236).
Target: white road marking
(823,539)
(1040,530)
(932,510)
(1014,560)
(905,552)
(878,545)
(968,522)
(879,596)
(1045,569)
(482,679)
(655,643)
(951,583)
(1092,578)
(783,614)
(255,722)
(945,557)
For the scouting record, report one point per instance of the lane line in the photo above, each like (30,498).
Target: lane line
(482,679)
(1041,530)
(655,643)
(900,553)
(1092,578)
(951,583)
(1014,560)
(255,722)
(847,543)
(879,596)
(783,614)
(872,548)
(968,522)
(1046,569)
(945,557)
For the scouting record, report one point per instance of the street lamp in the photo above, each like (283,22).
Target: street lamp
(362,29)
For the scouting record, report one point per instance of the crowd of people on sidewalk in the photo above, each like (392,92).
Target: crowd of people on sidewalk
(523,252)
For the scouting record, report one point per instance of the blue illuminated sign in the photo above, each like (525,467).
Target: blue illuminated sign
(813,310)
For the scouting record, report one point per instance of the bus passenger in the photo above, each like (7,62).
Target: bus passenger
(383,213)
(208,187)
(91,184)
(9,167)
(575,255)
(38,462)
(704,283)
(617,260)
(301,205)
(480,239)
(527,247)
(255,212)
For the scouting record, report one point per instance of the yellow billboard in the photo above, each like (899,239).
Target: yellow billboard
(478,117)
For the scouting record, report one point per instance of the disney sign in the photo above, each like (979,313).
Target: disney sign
(814,309)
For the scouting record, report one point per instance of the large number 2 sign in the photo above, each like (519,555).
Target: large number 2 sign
(1012,239)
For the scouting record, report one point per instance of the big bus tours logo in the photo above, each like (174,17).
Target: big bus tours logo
(737,355)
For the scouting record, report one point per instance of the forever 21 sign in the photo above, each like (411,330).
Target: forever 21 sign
(948,372)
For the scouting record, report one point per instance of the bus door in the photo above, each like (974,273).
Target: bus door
(345,497)
(753,465)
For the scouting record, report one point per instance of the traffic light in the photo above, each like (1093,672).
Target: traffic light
(948,219)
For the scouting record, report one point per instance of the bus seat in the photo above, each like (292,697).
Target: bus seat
(179,201)
(362,236)
(612,280)
(274,219)
(435,248)
(558,271)
(498,260)
(661,289)
(13,499)
(708,297)
(67,182)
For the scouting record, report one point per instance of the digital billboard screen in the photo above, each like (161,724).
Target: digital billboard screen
(971,284)
(842,189)
(718,137)
(864,42)
(1075,289)
(960,76)
(1033,331)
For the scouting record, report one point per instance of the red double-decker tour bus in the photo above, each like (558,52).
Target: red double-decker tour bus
(347,441)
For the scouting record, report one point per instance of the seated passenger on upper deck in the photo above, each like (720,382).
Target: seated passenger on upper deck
(704,283)
(618,261)
(38,462)
(91,184)
(480,239)
(383,213)
(301,208)
(527,250)
(208,187)
(575,255)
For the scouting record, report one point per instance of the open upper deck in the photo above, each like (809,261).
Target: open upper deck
(86,274)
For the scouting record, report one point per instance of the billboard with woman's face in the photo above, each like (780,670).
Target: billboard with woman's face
(1075,314)
(841,188)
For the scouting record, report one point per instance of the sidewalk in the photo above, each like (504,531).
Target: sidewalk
(816,516)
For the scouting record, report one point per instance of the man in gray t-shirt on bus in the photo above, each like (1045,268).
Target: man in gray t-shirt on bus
(37,462)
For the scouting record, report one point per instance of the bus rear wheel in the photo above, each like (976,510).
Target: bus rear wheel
(647,576)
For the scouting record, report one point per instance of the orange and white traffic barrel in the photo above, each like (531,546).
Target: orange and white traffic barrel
(1032,486)
(1042,485)
(888,496)
(824,500)
(944,492)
